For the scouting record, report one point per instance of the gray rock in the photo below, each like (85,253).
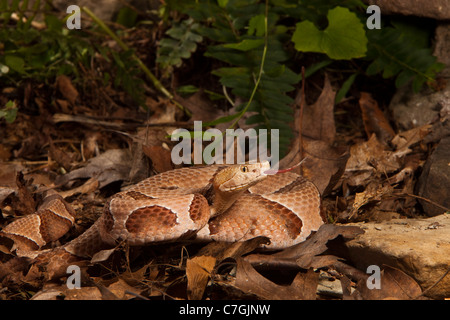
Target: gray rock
(412,110)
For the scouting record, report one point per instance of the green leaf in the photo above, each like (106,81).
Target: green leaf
(245,45)
(222,3)
(187,89)
(399,52)
(127,17)
(9,112)
(345,87)
(224,119)
(16,63)
(316,67)
(344,38)
(256,26)
(182,42)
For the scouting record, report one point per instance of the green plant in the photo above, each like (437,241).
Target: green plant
(9,112)
(402,51)
(259,43)
(41,55)
(182,41)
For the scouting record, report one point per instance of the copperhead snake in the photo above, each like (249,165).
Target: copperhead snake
(216,202)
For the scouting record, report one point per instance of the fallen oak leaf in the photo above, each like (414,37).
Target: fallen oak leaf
(318,119)
(326,163)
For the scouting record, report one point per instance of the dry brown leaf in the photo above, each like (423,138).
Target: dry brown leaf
(86,188)
(407,138)
(325,163)
(102,255)
(110,166)
(251,281)
(134,278)
(198,271)
(121,290)
(60,156)
(373,192)
(63,105)
(304,254)
(318,119)
(374,119)
(201,107)
(90,145)
(372,155)
(26,203)
(161,157)
(224,250)
(66,88)
(394,284)
(199,268)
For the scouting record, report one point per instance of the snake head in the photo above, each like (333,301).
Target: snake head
(230,182)
(240,177)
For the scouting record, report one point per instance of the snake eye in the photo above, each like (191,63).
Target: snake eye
(244,169)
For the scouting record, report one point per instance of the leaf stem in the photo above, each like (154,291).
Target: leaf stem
(261,68)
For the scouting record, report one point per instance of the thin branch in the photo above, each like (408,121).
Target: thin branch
(422,198)
(300,120)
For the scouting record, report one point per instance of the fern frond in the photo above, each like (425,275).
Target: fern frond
(396,55)
(180,44)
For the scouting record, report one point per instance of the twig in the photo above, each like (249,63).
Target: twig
(434,284)
(300,120)
(422,198)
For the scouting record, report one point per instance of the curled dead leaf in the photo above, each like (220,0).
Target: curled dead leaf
(66,88)
(374,120)
(306,254)
(303,287)
(198,271)
(394,284)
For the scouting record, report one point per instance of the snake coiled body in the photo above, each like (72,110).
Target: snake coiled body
(217,202)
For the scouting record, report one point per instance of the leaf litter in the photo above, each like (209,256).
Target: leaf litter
(358,179)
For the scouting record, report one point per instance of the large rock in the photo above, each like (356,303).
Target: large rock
(419,247)
(435,9)
(434,182)
(412,110)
